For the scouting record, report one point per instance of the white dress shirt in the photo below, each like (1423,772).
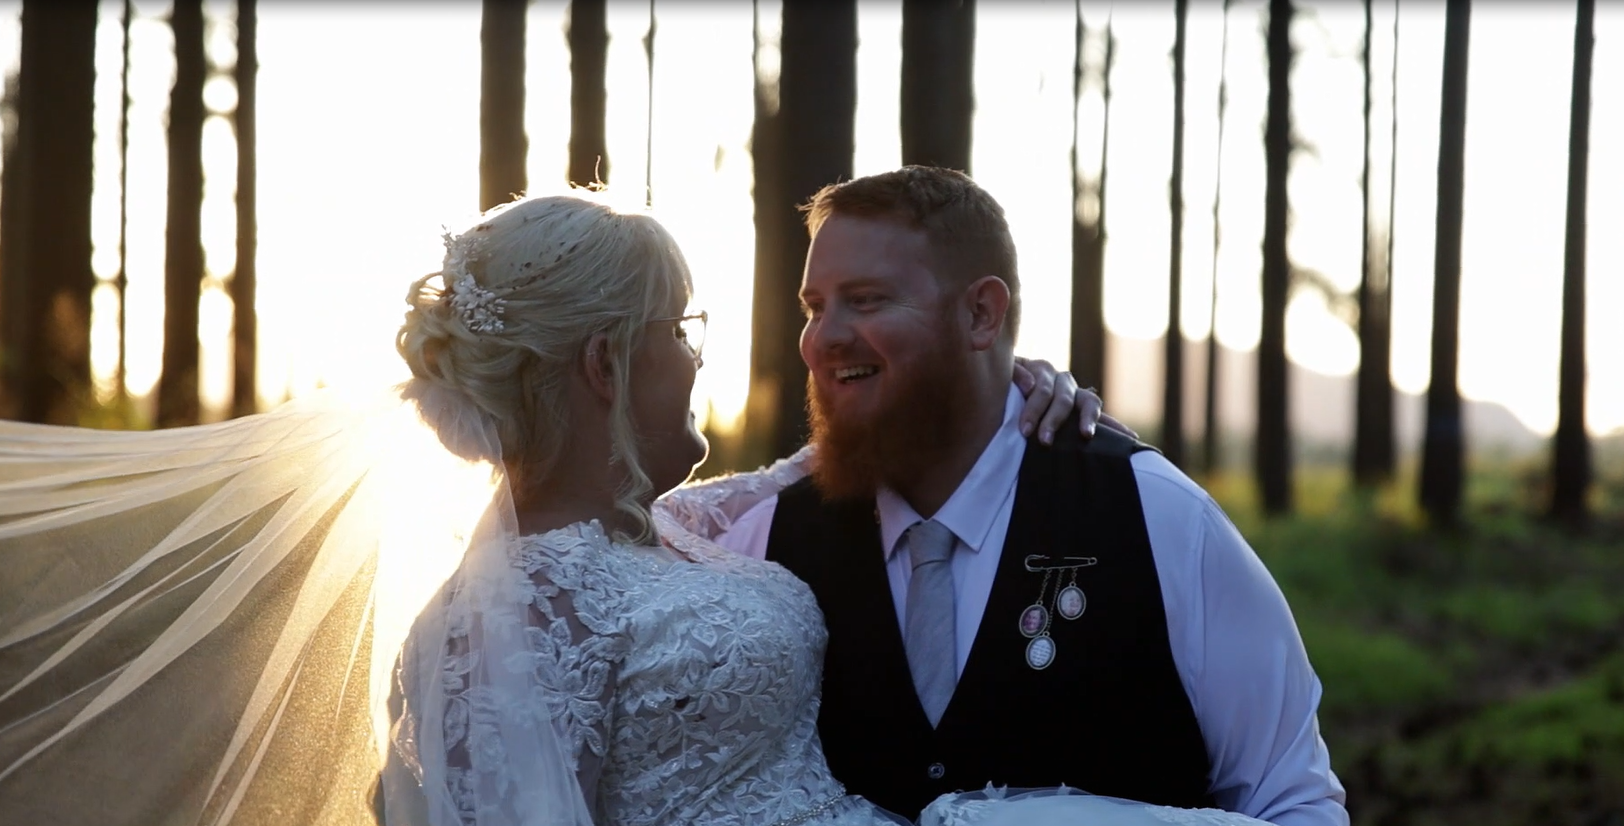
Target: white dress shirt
(1234,642)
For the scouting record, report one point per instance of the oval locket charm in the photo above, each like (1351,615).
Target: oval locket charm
(1033,620)
(1071,602)
(1040,652)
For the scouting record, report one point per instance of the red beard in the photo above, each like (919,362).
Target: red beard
(909,435)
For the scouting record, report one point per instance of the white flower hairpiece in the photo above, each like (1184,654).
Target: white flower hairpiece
(479,307)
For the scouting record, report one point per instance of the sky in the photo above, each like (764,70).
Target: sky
(368,145)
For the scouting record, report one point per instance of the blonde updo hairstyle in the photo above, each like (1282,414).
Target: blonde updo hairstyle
(565,269)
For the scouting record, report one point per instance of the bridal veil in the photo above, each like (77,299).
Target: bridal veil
(209,625)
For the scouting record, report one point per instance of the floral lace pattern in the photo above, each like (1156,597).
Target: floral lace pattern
(1202,817)
(682,678)
(708,509)
(994,806)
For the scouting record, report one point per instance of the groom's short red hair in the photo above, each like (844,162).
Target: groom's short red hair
(964,224)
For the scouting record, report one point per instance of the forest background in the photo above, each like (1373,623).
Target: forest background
(1334,258)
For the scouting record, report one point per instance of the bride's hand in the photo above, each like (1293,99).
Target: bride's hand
(1051,395)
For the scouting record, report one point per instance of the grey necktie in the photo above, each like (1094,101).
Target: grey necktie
(932,652)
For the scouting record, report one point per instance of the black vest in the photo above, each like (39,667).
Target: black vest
(1107,716)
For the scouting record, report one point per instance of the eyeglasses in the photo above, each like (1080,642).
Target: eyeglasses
(691,329)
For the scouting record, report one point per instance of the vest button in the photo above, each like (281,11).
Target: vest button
(936,771)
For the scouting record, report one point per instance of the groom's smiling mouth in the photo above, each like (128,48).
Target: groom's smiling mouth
(847,375)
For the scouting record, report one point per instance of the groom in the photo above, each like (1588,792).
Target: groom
(999,610)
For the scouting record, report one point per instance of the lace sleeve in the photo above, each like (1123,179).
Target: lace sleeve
(709,508)
(573,650)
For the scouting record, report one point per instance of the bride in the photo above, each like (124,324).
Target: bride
(467,602)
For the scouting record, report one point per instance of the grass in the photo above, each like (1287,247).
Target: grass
(1371,669)
(1550,755)
(1471,676)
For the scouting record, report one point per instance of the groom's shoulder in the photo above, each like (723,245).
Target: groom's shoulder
(802,490)
(1160,482)
(1167,491)
(1105,442)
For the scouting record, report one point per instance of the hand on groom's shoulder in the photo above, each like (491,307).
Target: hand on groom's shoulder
(1104,442)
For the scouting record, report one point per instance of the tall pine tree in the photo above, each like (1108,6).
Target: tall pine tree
(502,141)
(589,61)
(812,138)
(1570,470)
(1088,338)
(1173,353)
(1209,420)
(46,279)
(1273,446)
(1443,448)
(938,79)
(245,275)
(1373,448)
(178,400)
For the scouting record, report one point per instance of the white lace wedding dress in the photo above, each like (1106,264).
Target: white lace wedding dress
(687,680)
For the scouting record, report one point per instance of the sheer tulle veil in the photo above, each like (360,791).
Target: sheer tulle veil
(244,622)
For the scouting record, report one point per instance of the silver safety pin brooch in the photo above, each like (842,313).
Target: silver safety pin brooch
(1068,601)
(1035,564)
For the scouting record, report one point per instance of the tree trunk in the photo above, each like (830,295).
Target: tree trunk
(1087,362)
(648,128)
(589,60)
(938,82)
(45,334)
(1444,442)
(770,292)
(122,282)
(18,340)
(1273,448)
(244,277)
(1386,419)
(178,402)
(1373,449)
(1571,471)
(502,141)
(812,139)
(1209,418)
(1173,378)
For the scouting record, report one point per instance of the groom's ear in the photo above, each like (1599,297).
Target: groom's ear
(598,367)
(987,299)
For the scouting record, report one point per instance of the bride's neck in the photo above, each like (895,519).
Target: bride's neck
(555,515)
(578,491)
(580,484)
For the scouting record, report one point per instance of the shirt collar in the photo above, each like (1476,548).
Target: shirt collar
(970,512)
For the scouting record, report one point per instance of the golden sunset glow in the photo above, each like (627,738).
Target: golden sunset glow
(368,143)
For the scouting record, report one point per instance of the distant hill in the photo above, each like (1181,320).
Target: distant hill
(1321,406)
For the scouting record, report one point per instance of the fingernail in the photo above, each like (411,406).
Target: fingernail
(1047,437)
(1026,429)
(1091,431)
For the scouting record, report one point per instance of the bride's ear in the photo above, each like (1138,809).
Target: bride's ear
(598,367)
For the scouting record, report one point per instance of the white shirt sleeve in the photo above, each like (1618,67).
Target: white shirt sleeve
(1240,657)
(748,535)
